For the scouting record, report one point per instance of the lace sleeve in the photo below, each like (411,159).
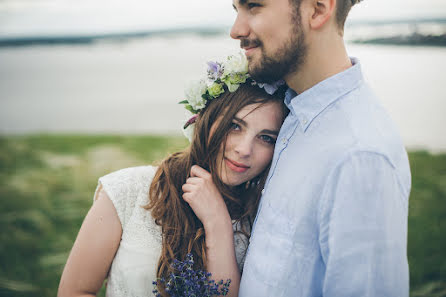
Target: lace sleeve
(241,242)
(123,187)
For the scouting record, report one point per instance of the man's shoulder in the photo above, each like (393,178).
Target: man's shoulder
(361,116)
(357,121)
(360,119)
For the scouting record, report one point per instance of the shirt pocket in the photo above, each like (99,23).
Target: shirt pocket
(271,253)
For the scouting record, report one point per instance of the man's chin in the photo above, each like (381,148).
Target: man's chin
(262,76)
(251,59)
(259,71)
(255,68)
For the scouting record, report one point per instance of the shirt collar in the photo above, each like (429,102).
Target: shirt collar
(309,104)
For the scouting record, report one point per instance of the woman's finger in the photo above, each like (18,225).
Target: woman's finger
(197,171)
(188,197)
(188,188)
(194,180)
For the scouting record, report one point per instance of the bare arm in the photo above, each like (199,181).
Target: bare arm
(93,251)
(221,260)
(207,203)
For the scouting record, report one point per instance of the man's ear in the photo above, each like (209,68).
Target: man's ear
(322,10)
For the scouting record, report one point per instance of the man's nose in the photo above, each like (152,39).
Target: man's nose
(240,28)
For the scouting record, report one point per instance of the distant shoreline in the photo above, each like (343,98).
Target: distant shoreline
(415,39)
(429,38)
(113,37)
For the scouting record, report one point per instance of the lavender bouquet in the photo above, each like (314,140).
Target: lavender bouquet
(187,282)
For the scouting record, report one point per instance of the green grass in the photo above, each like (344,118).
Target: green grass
(47,184)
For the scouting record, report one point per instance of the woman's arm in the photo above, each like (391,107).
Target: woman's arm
(207,203)
(221,259)
(93,251)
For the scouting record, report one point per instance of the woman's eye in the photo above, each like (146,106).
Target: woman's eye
(235,126)
(268,139)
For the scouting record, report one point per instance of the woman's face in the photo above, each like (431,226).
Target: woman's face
(250,143)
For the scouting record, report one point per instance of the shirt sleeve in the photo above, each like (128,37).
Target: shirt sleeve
(363,229)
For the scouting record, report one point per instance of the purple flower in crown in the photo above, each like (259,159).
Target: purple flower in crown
(215,71)
(221,77)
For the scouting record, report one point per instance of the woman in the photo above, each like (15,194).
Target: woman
(200,201)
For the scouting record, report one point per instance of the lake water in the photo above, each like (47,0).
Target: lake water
(134,86)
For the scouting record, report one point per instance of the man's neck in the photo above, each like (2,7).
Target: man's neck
(320,64)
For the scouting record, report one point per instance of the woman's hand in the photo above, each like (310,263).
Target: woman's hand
(204,198)
(207,203)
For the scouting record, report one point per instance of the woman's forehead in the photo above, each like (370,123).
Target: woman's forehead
(263,107)
(261,114)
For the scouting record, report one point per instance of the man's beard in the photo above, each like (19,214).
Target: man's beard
(287,59)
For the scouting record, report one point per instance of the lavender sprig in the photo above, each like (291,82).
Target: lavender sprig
(187,282)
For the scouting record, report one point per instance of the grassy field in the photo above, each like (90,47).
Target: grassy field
(47,184)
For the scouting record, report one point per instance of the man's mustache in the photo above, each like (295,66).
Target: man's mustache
(250,43)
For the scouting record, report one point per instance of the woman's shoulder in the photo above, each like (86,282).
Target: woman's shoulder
(125,186)
(136,171)
(127,181)
(132,176)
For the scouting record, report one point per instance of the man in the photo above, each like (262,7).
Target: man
(333,216)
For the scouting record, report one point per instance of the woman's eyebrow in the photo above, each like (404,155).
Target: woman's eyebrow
(272,132)
(240,121)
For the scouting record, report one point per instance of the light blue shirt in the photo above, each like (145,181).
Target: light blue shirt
(333,217)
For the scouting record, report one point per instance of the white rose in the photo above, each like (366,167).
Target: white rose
(194,93)
(236,64)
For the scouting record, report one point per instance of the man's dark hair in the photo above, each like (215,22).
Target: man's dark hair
(342,9)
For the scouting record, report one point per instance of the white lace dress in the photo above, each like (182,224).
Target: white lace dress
(134,266)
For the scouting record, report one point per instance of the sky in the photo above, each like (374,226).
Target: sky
(31,17)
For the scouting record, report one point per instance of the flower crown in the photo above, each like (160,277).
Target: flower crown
(221,76)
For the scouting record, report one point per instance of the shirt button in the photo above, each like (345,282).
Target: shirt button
(305,121)
(284,140)
(263,191)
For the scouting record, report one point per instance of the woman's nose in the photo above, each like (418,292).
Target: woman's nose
(240,28)
(244,146)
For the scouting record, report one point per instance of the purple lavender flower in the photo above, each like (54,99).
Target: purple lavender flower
(215,71)
(187,282)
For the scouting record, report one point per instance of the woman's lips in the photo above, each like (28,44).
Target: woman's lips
(237,167)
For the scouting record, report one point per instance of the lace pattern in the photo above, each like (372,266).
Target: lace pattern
(241,242)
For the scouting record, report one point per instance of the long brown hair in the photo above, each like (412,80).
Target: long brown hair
(182,231)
